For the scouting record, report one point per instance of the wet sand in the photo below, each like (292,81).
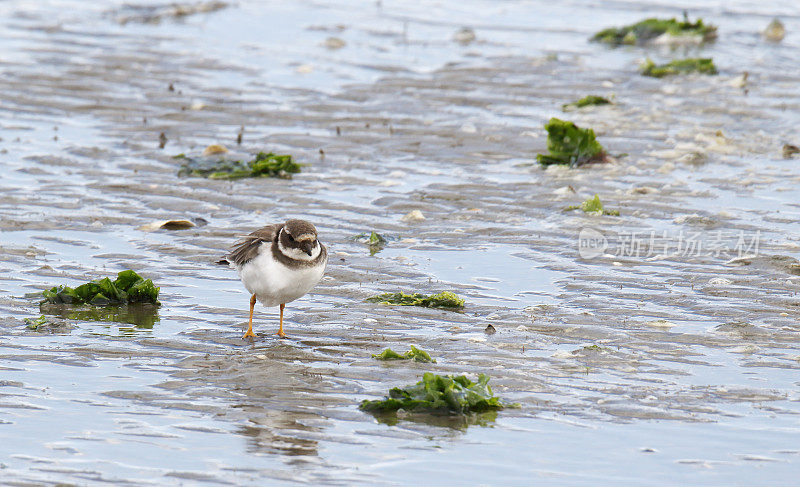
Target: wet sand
(671,361)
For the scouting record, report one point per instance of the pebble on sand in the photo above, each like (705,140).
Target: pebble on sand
(775,31)
(413,216)
(334,43)
(465,35)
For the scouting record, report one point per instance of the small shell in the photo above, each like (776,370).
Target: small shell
(334,43)
(214,149)
(413,216)
(775,31)
(167,225)
(465,35)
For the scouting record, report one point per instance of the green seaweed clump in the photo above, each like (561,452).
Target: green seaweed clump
(43,324)
(587,101)
(678,66)
(374,240)
(647,30)
(439,394)
(445,299)
(570,145)
(264,165)
(594,206)
(414,354)
(129,287)
(36,324)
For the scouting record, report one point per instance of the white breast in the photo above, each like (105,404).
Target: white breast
(273,283)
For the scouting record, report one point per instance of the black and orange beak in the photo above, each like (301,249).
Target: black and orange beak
(307,247)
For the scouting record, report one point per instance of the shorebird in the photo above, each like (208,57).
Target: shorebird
(278,264)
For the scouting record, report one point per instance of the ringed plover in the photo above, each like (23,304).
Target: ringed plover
(278,264)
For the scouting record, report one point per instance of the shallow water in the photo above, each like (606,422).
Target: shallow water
(694,377)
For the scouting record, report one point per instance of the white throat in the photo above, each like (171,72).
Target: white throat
(298,254)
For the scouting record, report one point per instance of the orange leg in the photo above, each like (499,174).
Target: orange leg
(280,330)
(249,332)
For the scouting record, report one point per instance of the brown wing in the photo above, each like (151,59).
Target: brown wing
(247,249)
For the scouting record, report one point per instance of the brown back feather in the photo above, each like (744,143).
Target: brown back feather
(247,249)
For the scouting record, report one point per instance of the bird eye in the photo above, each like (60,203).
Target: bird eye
(291,239)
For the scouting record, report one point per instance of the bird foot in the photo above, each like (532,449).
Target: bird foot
(248,334)
(281,335)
